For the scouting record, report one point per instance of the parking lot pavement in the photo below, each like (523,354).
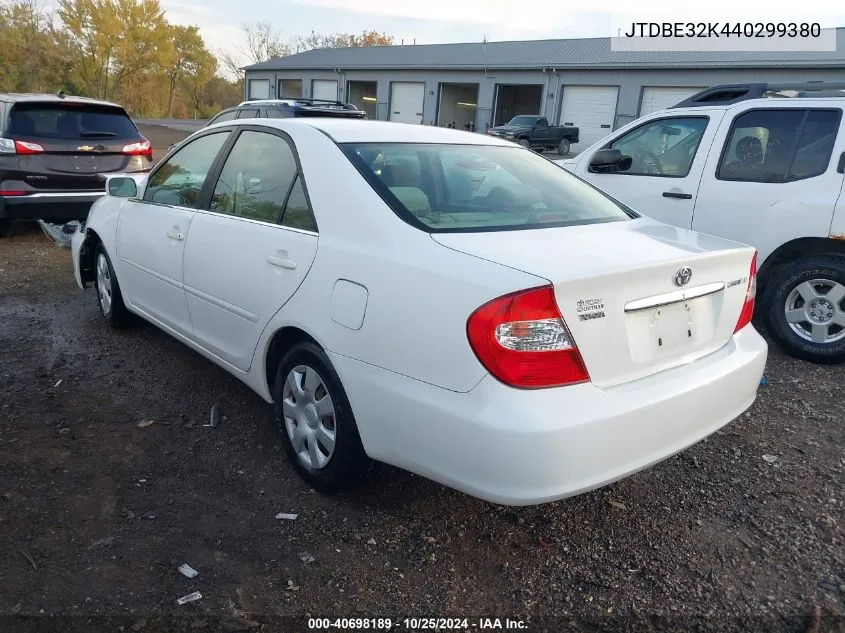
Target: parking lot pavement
(109,479)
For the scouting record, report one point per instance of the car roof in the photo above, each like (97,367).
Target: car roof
(19,97)
(369,131)
(765,102)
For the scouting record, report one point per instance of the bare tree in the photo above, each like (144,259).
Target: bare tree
(261,43)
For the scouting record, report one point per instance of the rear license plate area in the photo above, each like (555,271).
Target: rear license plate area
(673,330)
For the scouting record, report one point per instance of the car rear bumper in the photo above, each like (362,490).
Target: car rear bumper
(55,207)
(523,447)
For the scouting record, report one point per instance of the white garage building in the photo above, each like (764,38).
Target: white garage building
(571,82)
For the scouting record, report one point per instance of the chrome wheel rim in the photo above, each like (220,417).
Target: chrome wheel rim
(104,289)
(309,417)
(815,311)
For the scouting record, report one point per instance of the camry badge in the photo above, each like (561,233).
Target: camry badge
(683,276)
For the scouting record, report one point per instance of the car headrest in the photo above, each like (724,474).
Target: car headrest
(413,198)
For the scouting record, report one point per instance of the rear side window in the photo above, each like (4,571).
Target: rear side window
(465,188)
(260,181)
(224,116)
(779,145)
(70,121)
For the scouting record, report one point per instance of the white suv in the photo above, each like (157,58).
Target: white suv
(760,164)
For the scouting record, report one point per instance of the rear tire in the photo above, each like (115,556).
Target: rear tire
(109,297)
(564,147)
(316,422)
(798,314)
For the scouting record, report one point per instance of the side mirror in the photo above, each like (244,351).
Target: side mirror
(122,187)
(610,160)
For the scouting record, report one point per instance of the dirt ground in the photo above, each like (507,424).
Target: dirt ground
(98,506)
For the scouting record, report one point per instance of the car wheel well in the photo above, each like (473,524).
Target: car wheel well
(88,256)
(798,249)
(280,343)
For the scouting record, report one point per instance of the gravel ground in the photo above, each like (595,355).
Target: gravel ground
(98,505)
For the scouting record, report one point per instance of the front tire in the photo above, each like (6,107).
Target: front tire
(804,308)
(109,297)
(524,142)
(564,147)
(316,422)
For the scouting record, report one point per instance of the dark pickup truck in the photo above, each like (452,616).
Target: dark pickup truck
(534,131)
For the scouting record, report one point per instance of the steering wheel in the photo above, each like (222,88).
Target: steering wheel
(651,164)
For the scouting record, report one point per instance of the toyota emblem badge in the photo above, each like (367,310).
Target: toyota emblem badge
(683,276)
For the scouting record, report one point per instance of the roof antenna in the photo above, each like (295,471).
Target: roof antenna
(61,94)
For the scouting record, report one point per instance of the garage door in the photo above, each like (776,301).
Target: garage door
(259,88)
(324,89)
(406,102)
(592,109)
(659,98)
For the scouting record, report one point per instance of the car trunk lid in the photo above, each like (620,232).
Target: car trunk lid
(615,285)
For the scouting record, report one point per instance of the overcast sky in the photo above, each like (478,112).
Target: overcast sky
(438,21)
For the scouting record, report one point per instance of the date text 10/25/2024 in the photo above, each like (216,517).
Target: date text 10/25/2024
(416,624)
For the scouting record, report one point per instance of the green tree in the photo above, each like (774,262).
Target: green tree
(31,50)
(187,60)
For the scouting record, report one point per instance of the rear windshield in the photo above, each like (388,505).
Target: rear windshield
(465,188)
(70,121)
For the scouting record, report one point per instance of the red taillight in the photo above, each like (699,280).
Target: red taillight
(143,148)
(750,295)
(25,147)
(13,192)
(522,341)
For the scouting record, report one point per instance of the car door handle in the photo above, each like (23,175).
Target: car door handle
(281,262)
(175,235)
(676,194)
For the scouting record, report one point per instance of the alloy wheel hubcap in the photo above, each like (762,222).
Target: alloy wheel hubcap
(815,311)
(104,282)
(309,416)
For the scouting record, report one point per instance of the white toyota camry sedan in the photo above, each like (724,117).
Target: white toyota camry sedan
(443,301)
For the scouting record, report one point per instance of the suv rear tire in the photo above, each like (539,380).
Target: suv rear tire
(799,289)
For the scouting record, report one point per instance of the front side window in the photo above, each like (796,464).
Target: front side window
(779,145)
(454,188)
(179,180)
(664,147)
(256,179)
